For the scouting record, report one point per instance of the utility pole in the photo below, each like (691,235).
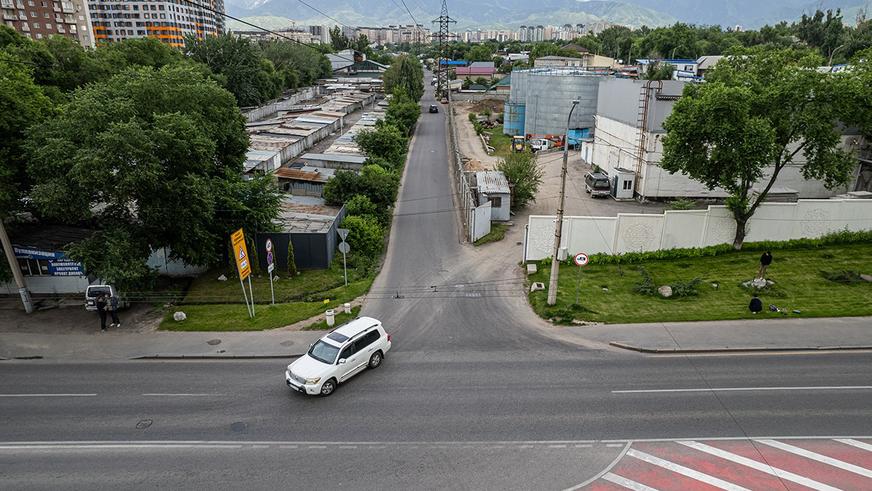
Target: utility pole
(16,271)
(558,227)
(442,72)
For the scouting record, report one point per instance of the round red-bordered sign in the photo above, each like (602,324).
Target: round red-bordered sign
(581,259)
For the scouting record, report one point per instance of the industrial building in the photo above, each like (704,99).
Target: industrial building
(628,137)
(540,100)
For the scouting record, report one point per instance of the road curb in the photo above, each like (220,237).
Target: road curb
(213,357)
(673,351)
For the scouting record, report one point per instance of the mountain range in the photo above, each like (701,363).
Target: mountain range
(509,14)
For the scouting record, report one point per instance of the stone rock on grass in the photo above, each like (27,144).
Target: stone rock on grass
(665,291)
(179,316)
(866,277)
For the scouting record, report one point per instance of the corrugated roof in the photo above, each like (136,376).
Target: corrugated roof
(297,174)
(335,157)
(492,181)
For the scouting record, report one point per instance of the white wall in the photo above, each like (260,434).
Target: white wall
(48,285)
(615,146)
(630,232)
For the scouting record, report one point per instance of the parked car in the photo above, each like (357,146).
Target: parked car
(434,108)
(93,291)
(537,144)
(597,184)
(338,356)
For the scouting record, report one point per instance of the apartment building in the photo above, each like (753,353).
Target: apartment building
(38,19)
(167,20)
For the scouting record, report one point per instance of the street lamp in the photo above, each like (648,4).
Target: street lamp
(558,229)
(834,53)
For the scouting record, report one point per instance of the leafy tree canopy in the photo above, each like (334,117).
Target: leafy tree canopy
(406,73)
(153,159)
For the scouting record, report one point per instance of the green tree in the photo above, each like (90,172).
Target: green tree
(379,184)
(524,176)
(365,236)
(22,104)
(385,141)
(240,65)
(757,111)
(822,30)
(660,71)
(406,73)
(292,260)
(402,112)
(338,40)
(298,65)
(153,158)
(480,52)
(341,187)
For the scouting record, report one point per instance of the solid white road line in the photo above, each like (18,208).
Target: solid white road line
(627,483)
(768,469)
(743,389)
(855,443)
(158,394)
(818,457)
(48,395)
(685,471)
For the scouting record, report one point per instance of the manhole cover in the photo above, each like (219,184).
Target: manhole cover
(143,424)
(213,342)
(286,343)
(238,426)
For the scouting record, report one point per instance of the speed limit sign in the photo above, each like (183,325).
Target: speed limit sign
(581,259)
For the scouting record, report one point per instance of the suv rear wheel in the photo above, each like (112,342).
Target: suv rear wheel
(375,360)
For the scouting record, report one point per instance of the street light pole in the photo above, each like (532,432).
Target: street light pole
(558,228)
(833,53)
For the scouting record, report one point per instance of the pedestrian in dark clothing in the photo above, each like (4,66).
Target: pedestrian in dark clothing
(756,305)
(113,309)
(101,305)
(765,261)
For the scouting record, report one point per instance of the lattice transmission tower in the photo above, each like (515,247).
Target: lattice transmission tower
(444,35)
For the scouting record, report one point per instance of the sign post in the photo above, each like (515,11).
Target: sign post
(270,266)
(344,248)
(580,260)
(243,266)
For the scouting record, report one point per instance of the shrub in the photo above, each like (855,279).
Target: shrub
(685,288)
(845,277)
(364,236)
(472,118)
(360,205)
(292,261)
(341,187)
(524,177)
(682,204)
(646,286)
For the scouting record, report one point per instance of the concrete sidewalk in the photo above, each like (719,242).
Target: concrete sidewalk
(730,336)
(130,345)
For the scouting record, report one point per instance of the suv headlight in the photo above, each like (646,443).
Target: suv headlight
(311,381)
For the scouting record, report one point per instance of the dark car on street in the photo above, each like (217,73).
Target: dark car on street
(434,108)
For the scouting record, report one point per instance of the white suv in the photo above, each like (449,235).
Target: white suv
(338,356)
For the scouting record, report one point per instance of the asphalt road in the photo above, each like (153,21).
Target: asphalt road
(471,397)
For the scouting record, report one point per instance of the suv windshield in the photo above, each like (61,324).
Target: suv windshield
(323,352)
(601,184)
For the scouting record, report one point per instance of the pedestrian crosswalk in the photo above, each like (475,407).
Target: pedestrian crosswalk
(823,464)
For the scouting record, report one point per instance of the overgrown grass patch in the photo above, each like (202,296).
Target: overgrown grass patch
(234,317)
(799,285)
(502,143)
(497,233)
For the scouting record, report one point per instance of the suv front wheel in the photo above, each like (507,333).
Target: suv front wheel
(375,360)
(328,387)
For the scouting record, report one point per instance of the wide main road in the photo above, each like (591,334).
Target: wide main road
(471,397)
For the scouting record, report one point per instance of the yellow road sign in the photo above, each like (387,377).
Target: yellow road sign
(243,265)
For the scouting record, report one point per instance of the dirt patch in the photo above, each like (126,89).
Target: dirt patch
(494,105)
(469,143)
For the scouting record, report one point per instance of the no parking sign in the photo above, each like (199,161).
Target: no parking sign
(581,259)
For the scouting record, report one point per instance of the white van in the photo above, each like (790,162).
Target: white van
(93,291)
(538,144)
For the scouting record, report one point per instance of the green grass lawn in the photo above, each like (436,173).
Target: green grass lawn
(799,285)
(498,231)
(234,317)
(502,143)
(341,318)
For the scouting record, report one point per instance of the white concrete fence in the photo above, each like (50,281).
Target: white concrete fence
(632,232)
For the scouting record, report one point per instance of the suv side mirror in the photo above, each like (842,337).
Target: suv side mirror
(341,361)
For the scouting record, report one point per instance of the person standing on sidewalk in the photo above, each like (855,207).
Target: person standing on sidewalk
(101,304)
(765,261)
(113,309)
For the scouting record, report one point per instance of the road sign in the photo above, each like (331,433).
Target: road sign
(270,268)
(344,248)
(343,233)
(240,252)
(269,255)
(581,259)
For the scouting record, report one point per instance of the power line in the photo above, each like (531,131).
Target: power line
(275,33)
(322,13)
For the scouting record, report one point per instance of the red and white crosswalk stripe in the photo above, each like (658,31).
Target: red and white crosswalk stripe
(826,464)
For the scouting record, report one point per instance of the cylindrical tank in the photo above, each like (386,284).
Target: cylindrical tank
(513,118)
(547,95)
